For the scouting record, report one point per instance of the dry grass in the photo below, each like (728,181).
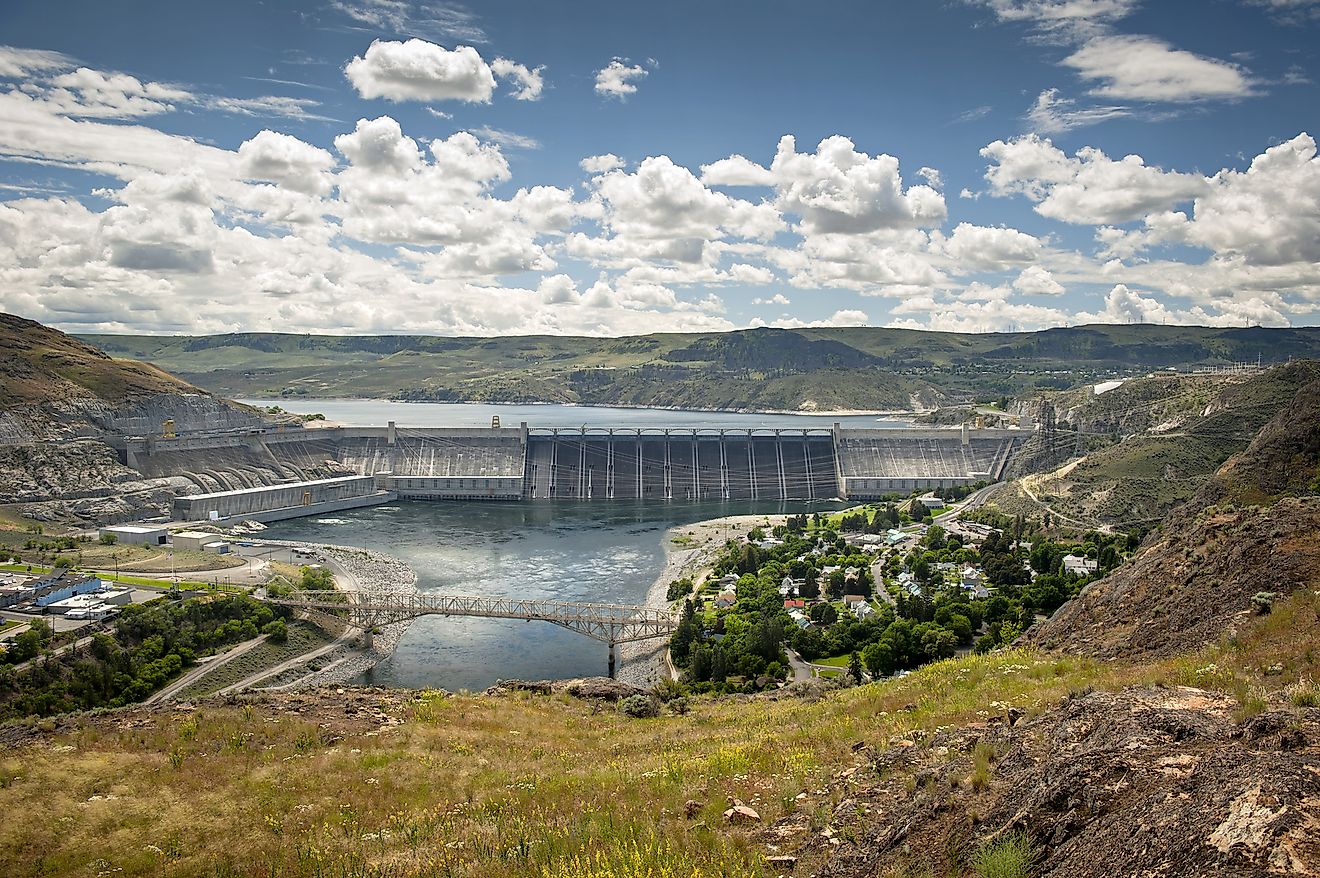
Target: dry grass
(519,785)
(469,785)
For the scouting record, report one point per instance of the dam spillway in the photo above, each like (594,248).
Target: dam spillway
(591,464)
(677,465)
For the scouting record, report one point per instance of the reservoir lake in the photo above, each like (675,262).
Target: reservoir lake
(378,412)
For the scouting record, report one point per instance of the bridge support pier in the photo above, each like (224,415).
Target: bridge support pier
(368,638)
(611,659)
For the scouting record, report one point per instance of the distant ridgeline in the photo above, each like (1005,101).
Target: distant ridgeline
(597,464)
(764,369)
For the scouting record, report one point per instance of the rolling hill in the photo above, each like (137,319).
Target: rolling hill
(40,365)
(808,369)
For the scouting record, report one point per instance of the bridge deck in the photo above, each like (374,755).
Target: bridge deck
(609,623)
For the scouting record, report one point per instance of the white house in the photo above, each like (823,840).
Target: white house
(863,610)
(1079,566)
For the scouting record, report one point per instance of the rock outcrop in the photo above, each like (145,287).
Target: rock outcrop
(1195,576)
(1146,781)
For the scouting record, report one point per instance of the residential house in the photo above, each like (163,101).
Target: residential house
(1079,566)
(973,581)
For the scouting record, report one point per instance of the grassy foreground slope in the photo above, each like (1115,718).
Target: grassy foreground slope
(394,783)
(820,369)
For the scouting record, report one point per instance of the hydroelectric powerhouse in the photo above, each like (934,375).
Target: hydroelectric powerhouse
(274,473)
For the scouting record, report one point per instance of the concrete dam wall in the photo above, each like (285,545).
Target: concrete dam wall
(595,465)
(690,466)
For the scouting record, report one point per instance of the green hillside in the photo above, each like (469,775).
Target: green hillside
(1136,452)
(811,369)
(41,365)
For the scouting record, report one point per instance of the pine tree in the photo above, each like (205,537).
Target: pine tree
(855,667)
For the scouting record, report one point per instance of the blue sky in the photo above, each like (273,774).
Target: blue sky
(594,168)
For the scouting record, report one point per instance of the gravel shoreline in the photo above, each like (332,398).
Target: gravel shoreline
(364,572)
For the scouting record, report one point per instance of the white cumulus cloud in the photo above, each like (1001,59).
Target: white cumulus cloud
(736,170)
(416,70)
(528,83)
(991,248)
(1088,187)
(600,164)
(1037,281)
(618,78)
(281,158)
(839,189)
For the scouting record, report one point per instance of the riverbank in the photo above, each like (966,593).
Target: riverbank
(360,573)
(690,552)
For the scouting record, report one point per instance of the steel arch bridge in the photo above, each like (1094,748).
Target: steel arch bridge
(608,623)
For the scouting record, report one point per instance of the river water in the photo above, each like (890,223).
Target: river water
(600,552)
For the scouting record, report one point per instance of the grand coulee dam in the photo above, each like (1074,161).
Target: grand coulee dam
(267,473)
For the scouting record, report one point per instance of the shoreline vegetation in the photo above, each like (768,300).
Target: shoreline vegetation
(690,551)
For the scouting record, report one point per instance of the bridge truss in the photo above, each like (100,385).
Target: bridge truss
(608,623)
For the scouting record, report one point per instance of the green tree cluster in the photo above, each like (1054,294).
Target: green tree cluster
(151,644)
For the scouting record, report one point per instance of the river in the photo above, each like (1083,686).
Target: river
(602,552)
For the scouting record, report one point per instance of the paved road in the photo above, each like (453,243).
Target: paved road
(344,639)
(801,670)
(972,501)
(197,673)
(878,584)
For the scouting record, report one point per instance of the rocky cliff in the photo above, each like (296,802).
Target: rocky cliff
(1145,781)
(1252,527)
(62,399)
(53,386)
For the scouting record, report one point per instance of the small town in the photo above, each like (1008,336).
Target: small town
(875,591)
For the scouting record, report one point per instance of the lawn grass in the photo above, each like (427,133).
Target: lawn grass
(127,579)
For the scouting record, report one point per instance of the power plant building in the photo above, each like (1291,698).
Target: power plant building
(275,502)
